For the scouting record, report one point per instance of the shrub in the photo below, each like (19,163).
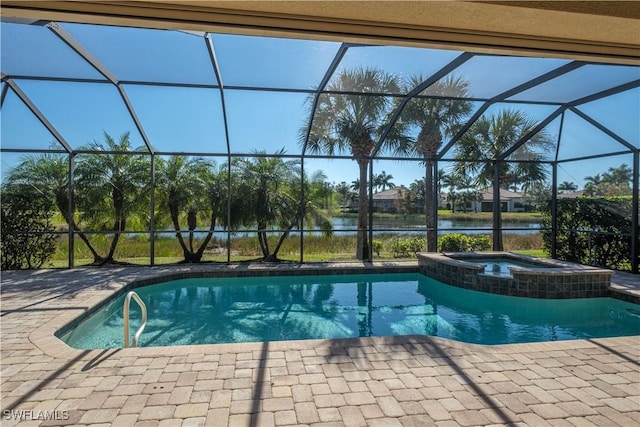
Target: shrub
(27,234)
(399,248)
(416,244)
(479,242)
(454,242)
(402,248)
(591,230)
(376,245)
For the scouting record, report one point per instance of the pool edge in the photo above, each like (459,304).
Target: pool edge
(46,340)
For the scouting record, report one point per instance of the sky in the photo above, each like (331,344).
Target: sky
(186,119)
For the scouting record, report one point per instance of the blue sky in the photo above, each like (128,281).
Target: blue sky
(190,119)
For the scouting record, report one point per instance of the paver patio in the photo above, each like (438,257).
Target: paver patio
(387,381)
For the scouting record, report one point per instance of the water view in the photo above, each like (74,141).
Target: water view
(417,225)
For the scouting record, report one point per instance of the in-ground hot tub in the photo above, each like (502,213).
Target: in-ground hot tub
(512,274)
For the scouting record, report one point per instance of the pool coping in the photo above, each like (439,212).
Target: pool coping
(45,337)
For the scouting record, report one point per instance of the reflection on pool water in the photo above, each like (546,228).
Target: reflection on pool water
(224,310)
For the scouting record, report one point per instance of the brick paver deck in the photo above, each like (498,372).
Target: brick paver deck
(388,381)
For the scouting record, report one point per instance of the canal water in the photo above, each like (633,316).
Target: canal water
(444,226)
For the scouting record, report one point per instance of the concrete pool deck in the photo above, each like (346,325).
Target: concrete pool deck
(387,381)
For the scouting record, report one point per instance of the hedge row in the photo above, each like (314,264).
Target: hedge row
(594,231)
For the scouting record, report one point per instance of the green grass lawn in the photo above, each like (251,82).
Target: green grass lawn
(136,250)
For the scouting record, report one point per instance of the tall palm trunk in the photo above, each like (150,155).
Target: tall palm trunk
(62,202)
(119,225)
(173,210)
(428,142)
(118,228)
(192,222)
(188,254)
(197,257)
(283,237)
(96,257)
(263,239)
(362,241)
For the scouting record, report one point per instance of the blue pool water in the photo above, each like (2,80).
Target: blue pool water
(223,310)
(501,266)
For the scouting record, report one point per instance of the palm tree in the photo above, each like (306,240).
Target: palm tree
(526,174)
(452,181)
(312,213)
(566,187)
(417,189)
(460,189)
(375,183)
(321,188)
(614,182)
(344,191)
(435,117)
(488,138)
(262,178)
(383,181)
(48,174)
(353,122)
(619,176)
(593,186)
(272,193)
(194,187)
(113,187)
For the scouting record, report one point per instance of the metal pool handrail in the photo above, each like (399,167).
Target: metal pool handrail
(125,315)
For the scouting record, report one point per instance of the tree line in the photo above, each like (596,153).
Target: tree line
(193,196)
(360,124)
(112,191)
(614,182)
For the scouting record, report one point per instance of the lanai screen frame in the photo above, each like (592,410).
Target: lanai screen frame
(110,78)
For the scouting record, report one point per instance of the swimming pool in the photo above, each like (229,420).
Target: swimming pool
(225,310)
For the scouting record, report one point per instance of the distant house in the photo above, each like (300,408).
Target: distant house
(571,194)
(389,201)
(510,201)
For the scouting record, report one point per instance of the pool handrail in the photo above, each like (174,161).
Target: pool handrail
(125,315)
